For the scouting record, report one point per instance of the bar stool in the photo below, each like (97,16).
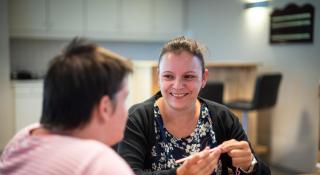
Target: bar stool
(265,96)
(213,91)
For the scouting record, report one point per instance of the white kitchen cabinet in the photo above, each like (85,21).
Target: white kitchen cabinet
(153,20)
(27,102)
(102,19)
(119,20)
(46,18)
(27,17)
(169,17)
(65,17)
(136,16)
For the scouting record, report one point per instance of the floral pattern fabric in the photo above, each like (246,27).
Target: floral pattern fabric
(168,148)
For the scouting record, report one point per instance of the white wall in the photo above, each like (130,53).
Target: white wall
(231,33)
(6,116)
(299,100)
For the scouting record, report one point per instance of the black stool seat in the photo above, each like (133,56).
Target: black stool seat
(241,105)
(213,91)
(265,96)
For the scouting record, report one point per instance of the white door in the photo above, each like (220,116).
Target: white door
(27,16)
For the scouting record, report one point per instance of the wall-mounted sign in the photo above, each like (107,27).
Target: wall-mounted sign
(293,24)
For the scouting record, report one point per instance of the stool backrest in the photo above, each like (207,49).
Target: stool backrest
(266,90)
(213,91)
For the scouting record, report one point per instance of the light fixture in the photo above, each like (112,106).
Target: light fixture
(256,4)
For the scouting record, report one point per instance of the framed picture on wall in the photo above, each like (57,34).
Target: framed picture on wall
(293,24)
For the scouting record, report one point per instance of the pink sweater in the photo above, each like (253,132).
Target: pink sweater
(59,155)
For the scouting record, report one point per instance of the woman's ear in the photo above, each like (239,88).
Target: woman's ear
(204,78)
(105,108)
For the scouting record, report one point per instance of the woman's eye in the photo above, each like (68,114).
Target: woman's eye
(189,77)
(168,77)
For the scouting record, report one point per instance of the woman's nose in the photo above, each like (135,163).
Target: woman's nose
(178,83)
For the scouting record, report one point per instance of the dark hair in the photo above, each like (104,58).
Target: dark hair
(76,81)
(182,43)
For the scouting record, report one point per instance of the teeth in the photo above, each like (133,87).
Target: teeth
(177,95)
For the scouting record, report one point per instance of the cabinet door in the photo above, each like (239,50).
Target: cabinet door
(27,16)
(66,17)
(169,17)
(136,16)
(102,16)
(28,103)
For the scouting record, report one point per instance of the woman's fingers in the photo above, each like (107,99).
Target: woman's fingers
(209,163)
(242,162)
(190,166)
(205,162)
(194,159)
(234,144)
(202,163)
(239,151)
(212,162)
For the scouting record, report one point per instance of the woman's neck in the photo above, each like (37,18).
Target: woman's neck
(180,123)
(41,131)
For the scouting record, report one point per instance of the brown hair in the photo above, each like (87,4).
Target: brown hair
(76,81)
(182,43)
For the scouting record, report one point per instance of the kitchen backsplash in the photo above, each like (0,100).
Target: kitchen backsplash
(33,55)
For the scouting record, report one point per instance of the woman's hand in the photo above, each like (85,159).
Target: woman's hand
(240,153)
(202,163)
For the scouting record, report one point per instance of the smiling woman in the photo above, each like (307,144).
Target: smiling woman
(176,123)
(180,84)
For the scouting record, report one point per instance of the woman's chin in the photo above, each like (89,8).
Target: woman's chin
(178,106)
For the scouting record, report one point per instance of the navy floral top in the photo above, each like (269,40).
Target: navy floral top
(168,148)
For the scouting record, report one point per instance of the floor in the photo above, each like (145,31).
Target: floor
(281,171)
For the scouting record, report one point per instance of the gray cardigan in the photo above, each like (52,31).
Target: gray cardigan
(139,136)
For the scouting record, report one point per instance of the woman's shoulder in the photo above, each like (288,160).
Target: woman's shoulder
(145,107)
(214,106)
(226,123)
(142,106)
(220,111)
(142,114)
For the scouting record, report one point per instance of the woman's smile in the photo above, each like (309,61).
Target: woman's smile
(178,95)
